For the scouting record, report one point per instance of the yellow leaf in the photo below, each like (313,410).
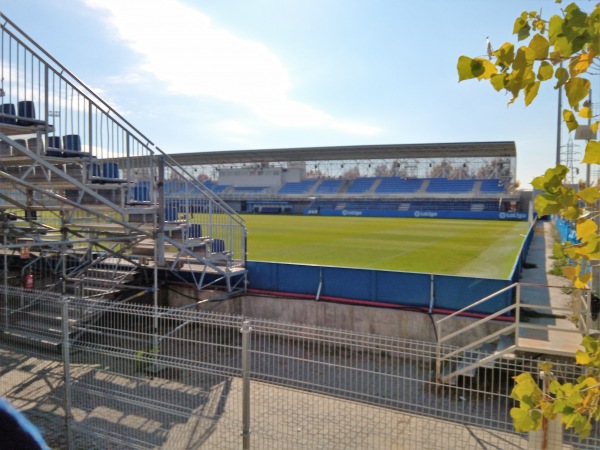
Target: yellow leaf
(594,127)
(539,44)
(569,272)
(580,63)
(592,153)
(489,69)
(479,68)
(531,92)
(589,195)
(585,228)
(545,71)
(570,120)
(582,281)
(576,90)
(585,112)
(582,358)
(562,75)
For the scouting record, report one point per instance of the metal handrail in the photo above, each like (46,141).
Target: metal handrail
(64,70)
(477,303)
(124,123)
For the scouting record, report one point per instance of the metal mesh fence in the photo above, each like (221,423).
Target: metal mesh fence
(134,376)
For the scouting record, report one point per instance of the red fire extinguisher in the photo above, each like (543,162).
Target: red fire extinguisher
(28,281)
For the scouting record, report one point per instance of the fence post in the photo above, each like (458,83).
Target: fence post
(246,329)
(66,353)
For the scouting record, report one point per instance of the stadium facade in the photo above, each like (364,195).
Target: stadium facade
(446,180)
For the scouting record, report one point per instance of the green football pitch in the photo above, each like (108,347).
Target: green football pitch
(479,248)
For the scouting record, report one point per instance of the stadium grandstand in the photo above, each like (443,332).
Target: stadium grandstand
(453,180)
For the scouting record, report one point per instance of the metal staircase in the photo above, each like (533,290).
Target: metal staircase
(465,345)
(89,206)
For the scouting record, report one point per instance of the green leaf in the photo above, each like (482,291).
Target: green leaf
(576,90)
(545,71)
(539,44)
(505,55)
(531,92)
(571,213)
(479,68)
(569,119)
(545,206)
(557,250)
(561,75)
(555,25)
(498,81)
(489,69)
(521,27)
(522,421)
(465,71)
(592,153)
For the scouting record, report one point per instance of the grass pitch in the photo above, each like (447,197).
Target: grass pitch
(481,248)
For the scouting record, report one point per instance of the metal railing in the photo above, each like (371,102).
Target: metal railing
(70,161)
(453,360)
(104,383)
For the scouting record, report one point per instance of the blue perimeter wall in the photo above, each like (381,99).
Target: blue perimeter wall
(482,215)
(427,292)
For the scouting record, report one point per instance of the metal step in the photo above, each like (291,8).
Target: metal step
(32,339)
(486,355)
(86,281)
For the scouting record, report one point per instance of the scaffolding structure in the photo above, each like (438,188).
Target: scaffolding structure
(89,206)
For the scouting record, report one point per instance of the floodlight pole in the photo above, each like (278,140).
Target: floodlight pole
(588,169)
(559,124)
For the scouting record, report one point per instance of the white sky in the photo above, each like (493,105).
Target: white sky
(201,75)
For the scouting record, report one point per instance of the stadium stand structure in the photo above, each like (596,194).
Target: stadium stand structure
(90,208)
(467,180)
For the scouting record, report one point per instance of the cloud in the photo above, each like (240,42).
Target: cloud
(182,48)
(235,126)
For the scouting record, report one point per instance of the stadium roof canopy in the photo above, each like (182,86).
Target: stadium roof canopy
(352,152)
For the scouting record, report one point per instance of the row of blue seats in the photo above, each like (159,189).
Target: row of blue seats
(297,187)
(441,205)
(18,116)
(392,185)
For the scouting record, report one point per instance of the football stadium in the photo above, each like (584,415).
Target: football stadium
(354,296)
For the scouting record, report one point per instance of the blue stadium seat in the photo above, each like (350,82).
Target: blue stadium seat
(443,185)
(491,186)
(141,192)
(26,109)
(195,231)
(9,110)
(217,246)
(396,185)
(329,187)
(361,185)
(297,187)
(54,147)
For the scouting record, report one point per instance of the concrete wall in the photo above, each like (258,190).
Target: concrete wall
(361,319)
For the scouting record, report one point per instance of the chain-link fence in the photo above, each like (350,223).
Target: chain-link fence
(134,376)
